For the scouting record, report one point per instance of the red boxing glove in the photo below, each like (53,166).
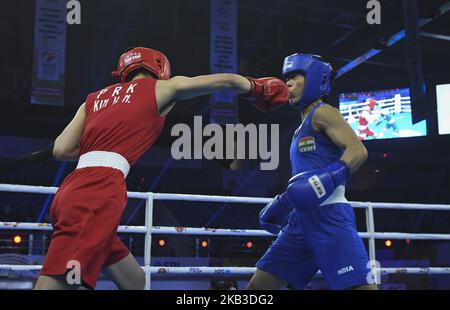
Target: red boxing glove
(268,93)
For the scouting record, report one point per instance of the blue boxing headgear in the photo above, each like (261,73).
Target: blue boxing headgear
(318,76)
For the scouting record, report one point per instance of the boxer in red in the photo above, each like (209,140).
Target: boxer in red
(366,117)
(108,134)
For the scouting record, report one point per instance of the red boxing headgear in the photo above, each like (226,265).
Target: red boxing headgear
(142,57)
(372,103)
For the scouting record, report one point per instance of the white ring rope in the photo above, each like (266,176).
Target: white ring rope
(230,199)
(401,206)
(163,230)
(228,271)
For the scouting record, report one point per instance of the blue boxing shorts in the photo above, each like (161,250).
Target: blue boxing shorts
(393,126)
(323,238)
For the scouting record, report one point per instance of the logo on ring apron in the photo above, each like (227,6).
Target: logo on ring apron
(307,144)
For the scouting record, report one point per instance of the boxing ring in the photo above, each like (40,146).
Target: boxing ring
(149,230)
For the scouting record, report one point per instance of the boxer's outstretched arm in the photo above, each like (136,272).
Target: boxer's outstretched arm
(181,87)
(66,146)
(189,87)
(266,93)
(330,121)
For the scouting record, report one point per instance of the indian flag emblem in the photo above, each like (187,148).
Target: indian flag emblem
(307,144)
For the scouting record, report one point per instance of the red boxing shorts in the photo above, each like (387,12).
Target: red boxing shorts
(85,215)
(365,133)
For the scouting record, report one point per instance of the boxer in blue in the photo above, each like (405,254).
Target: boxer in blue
(314,222)
(390,123)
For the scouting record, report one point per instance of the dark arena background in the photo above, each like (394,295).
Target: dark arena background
(193,224)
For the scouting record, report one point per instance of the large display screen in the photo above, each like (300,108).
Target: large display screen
(382,114)
(443,108)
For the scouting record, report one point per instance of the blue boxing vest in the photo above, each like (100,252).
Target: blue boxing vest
(311,150)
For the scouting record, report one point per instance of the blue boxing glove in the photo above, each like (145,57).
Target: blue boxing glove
(274,216)
(309,189)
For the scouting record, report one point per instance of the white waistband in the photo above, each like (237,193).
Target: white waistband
(338,196)
(104,159)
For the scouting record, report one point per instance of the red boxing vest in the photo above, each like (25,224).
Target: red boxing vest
(122,118)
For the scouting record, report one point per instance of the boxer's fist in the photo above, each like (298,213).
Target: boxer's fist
(309,189)
(275,215)
(268,93)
